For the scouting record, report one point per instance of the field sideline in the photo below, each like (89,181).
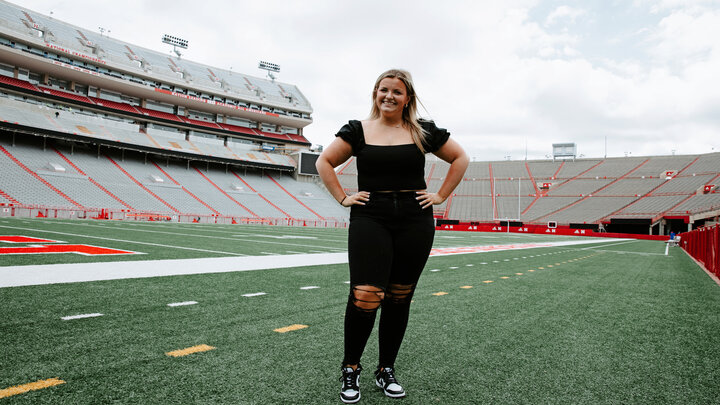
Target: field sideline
(602,322)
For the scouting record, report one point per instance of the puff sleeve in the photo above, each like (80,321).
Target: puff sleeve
(352,133)
(435,137)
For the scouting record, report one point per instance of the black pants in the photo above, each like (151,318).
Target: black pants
(389,243)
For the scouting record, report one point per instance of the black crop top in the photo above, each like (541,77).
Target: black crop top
(394,167)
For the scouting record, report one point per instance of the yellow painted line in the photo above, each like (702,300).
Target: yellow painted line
(519,274)
(531,271)
(23,388)
(440,293)
(466,286)
(487,281)
(504,277)
(557,264)
(541,268)
(549,265)
(190,350)
(290,328)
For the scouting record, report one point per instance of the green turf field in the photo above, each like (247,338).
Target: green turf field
(603,323)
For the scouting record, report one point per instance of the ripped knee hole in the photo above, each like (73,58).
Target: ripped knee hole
(400,293)
(367,297)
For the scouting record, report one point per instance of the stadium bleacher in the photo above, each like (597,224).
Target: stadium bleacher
(120,181)
(97,126)
(185,139)
(581,191)
(630,186)
(579,187)
(651,205)
(697,204)
(94,47)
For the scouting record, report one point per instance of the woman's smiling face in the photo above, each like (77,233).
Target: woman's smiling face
(391,96)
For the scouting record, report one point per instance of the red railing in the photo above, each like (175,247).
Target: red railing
(703,244)
(45,211)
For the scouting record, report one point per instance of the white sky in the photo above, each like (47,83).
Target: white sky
(504,77)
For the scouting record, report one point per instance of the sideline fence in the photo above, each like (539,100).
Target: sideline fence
(703,244)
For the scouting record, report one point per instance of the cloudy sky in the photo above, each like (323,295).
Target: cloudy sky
(508,79)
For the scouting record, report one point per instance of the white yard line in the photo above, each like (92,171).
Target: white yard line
(193,235)
(81,316)
(228,230)
(15,276)
(257,294)
(611,244)
(181,304)
(515,246)
(623,252)
(124,241)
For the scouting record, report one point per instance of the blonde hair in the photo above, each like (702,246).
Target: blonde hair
(409,114)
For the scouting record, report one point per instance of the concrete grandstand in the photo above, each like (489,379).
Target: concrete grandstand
(653,194)
(97,127)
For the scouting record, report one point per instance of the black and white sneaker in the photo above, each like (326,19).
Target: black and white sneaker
(385,379)
(350,391)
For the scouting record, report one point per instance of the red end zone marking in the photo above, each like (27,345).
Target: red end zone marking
(85,250)
(26,239)
(476,249)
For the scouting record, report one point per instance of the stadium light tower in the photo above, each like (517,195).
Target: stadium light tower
(270,67)
(176,43)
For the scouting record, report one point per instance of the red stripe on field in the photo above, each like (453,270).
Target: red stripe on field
(25,239)
(86,250)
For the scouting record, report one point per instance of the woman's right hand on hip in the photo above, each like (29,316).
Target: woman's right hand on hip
(359,198)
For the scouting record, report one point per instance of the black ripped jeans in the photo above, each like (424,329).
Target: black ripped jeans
(389,243)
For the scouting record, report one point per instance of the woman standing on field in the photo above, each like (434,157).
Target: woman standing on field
(391,220)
